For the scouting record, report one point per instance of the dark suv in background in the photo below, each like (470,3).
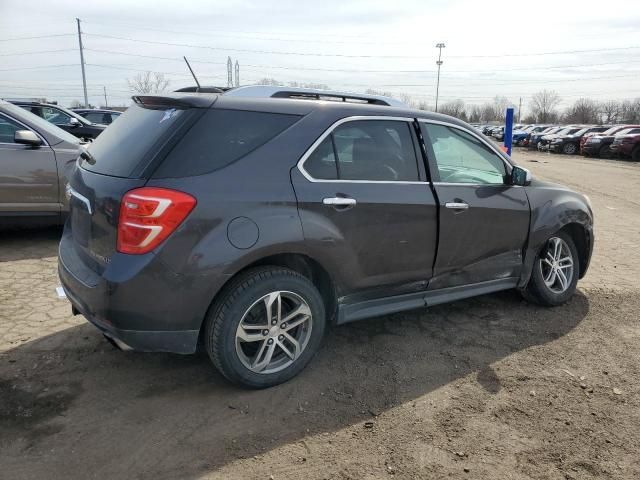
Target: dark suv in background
(250,220)
(569,143)
(67,120)
(99,116)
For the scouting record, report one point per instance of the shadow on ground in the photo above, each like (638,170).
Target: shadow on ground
(73,407)
(29,243)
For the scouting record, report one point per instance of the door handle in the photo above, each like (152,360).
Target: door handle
(339,201)
(457,205)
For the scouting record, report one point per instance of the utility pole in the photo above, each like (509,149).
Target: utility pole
(106,104)
(519,109)
(237,74)
(229,72)
(439,46)
(84,77)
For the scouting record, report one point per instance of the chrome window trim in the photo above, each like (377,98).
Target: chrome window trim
(44,142)
(336,124)
(482,140)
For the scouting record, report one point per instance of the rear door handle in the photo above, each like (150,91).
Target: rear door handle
(457,205)
(339,201)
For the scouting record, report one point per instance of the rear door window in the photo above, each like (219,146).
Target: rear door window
(369,150)
(220,138)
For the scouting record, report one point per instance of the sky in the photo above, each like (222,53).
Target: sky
(512,49)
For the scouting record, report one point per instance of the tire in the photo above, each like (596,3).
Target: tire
(635,154)
(569,148)
(605,152)
(537,290)
(246,300)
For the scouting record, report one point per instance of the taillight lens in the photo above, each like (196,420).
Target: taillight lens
(148,216)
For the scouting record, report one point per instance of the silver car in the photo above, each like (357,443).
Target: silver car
(35,157)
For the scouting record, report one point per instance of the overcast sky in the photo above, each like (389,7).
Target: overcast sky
(349,45)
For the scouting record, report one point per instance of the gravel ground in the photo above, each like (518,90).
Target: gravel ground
(488,388)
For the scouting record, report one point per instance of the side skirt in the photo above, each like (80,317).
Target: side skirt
(399,303)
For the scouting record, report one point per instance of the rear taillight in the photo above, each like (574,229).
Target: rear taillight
(148,216)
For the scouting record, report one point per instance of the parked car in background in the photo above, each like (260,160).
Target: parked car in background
(162,251)
(545,142)
(99,116)
(35,160)
(534,138)
(569,144)
(626,145)
(498,133)
(70,121)
(599,145)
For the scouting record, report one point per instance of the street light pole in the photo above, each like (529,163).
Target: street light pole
(439,46)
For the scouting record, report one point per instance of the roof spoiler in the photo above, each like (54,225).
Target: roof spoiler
(152,101)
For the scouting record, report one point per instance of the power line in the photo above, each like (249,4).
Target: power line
(40,67)
(559,52)
(348,70)
(33,38)
(36,52)
(249,35)
(316,54)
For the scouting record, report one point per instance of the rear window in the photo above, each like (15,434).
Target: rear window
(220,138)
(133,139)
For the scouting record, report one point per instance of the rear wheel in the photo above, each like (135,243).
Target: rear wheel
(570,149)
(265,327)
(555,272)
(635,154)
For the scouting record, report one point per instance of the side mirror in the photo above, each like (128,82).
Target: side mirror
(27,137)
(520,176)
(74,122)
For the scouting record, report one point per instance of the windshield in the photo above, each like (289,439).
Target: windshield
(39,124)
(582,131)
(626,131)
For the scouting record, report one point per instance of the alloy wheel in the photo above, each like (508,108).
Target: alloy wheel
(556,265)
(273,332)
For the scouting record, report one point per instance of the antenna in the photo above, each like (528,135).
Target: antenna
(194,75)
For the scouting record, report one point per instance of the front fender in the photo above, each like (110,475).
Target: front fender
(554,207)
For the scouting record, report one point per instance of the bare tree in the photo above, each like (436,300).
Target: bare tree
(544,106)
(148,82)
(76,104)
(630,111)
(584,110)
(454,108)
(610,111)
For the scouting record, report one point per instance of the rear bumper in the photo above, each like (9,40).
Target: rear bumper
(136,301)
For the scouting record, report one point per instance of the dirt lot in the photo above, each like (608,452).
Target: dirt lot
(489,388)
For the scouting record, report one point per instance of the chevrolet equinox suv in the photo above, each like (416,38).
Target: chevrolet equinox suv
(247,222)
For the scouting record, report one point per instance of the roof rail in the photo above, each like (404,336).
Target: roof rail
(268,91)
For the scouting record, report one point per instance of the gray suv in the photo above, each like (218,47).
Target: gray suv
(35,157)
(248,222)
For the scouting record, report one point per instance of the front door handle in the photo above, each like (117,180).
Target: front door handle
(339,201)
(457,205)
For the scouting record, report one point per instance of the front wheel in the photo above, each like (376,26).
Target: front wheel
(570,149)
(604,152)
(265,327)
(555,272)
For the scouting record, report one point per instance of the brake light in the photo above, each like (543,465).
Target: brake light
(148,216)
